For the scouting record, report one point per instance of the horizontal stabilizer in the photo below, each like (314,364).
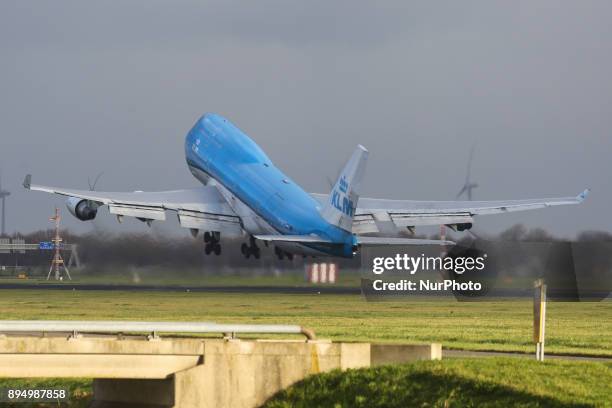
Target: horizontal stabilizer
(374,241)
(307,239)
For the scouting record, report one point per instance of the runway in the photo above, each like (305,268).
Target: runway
(313,290)
(279,289)
(446,353)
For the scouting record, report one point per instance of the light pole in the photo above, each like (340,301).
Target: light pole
(3,195)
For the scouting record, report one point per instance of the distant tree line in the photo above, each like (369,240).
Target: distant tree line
(142,249)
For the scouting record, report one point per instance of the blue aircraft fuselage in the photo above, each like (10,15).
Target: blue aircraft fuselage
(219,149)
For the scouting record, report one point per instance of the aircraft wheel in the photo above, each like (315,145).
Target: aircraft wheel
(244,249)
(207,249)
(207,237)
(217,249)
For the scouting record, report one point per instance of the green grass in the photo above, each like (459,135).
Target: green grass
(578,328)
(489,382)
(486,382)
(581,328)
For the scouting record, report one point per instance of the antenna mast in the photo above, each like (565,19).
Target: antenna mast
(58,261)
(3,195)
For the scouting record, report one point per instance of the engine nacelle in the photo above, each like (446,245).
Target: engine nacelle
(464,226)
(82,209)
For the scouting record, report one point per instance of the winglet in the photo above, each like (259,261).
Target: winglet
(27,182)
(583,195)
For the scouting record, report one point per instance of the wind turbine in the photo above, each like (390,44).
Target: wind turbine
(3,195)
(469,184)
(92,186)
(95,223)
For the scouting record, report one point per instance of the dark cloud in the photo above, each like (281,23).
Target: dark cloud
(114,86)
(162,24)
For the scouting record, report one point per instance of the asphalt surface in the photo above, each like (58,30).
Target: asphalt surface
(331,290)
(479,354)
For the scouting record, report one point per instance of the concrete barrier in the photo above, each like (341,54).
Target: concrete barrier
(382,354)
(181,372)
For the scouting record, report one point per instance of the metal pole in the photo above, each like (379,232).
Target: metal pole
(57,257)
(539,317)
(70,326)
(543,318)
(3,213)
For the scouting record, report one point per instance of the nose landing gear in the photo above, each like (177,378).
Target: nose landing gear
(212,240)
(251,249)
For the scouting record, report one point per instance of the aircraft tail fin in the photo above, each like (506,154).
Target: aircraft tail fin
(342,201)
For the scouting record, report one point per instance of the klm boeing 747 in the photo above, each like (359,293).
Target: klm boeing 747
(245,194)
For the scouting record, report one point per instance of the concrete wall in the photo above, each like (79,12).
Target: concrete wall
(238,373)
(191,372)
(382,354)
(96,357)
(260,369)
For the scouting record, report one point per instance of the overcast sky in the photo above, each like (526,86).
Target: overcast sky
(114,86)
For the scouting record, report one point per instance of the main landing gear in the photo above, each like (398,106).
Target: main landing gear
(251,249)
(212,240)
(282,254)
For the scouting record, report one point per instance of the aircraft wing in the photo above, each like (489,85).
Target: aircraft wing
(386,216)
(202,208)
(382,241)
(304,239)
(373,241)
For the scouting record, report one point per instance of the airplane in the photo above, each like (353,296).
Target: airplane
(244,194)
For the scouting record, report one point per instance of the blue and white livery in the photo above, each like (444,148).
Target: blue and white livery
(245,194)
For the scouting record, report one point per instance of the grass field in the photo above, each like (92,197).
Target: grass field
(578,328)
(489,382)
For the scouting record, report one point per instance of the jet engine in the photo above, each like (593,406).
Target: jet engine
(464,226)
(84,210)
